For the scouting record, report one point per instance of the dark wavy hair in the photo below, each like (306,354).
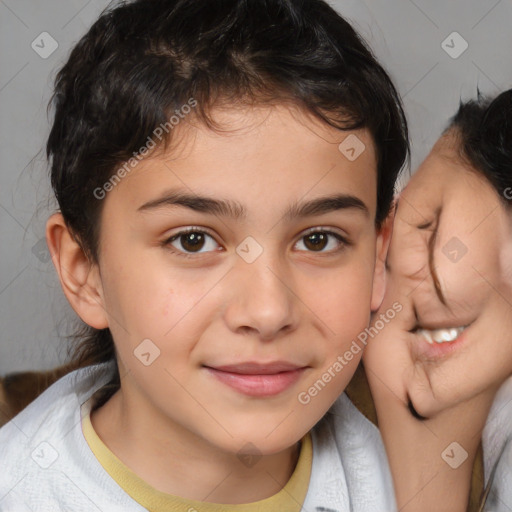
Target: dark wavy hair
(143,60)
(484,129)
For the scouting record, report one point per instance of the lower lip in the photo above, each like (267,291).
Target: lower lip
(258,385)
(435,350)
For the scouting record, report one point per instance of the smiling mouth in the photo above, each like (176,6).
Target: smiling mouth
(251,368)
(441,335)
(258,380)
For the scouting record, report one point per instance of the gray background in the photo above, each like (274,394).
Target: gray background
(406,36)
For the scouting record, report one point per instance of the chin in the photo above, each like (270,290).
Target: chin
(255,442)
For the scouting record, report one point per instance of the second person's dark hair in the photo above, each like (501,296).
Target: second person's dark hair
(484,127)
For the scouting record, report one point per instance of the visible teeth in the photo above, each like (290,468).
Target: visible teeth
(441,335)
(427,336)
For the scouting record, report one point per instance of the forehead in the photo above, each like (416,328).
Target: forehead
(258,155)
(444,165)
(446,183)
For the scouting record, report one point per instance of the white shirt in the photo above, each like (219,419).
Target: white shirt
(46,464)
(497,448)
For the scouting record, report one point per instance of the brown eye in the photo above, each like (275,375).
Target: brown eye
(192,241)
(316,241)
(322,241)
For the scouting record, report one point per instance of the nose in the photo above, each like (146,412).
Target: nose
(262,302)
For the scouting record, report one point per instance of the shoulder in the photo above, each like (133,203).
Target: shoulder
(498,427)
(351,445)
(500,492)
(497,443)
(354,434)
(35,444)
(56,405)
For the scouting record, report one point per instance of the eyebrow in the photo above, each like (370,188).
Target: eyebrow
(236,210)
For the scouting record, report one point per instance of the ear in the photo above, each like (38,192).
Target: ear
(381,252)
(79,278)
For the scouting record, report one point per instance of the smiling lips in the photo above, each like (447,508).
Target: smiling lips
(259,380)
(439,343)
(441,335)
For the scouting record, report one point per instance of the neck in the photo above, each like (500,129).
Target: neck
(176,461)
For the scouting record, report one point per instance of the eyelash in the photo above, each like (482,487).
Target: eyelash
(344,242)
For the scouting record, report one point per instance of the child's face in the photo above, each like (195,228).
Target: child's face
(471,255)
(255,295)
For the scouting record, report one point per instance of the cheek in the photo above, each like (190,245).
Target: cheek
(470,273)
(505,267)
(344,301)
(151,298)
(144,316)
